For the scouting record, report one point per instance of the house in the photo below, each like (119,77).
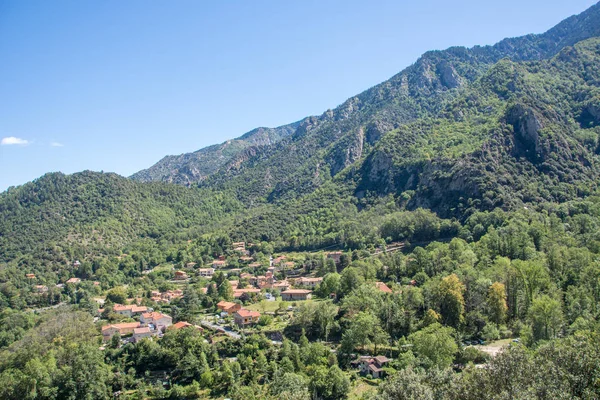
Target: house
(308,282)
(206,272)
(383,287)
(74,280)
(246,259)
(76,264)
(190,265)
(254,265)
(129,310)
(180,276)
(234,284)
(159,320)
(41,288)
(219,263)
(30,276)
(238,246)
(184,324)
(335,256)
(296,294)
(372,365)
(240,292)
(281,285)
(228,307)
(125,328)
(245,317)
(141,333)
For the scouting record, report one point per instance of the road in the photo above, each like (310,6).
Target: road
(219,328)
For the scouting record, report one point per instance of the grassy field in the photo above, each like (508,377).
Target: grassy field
(361,390)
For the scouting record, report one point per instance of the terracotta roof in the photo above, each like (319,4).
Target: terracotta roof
(181,324)
(381,359)
(247,313)
(225,304)
(383,287)
(154,315)
(123,325)
(138,331)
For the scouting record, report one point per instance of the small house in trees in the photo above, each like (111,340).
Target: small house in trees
(129,310)
(74,281)
(159,320)
(308,282)
(219,264)
(30,276)
(123,329)
(372,365)
(238,246)
(141,333)
(180,275)
(296,294)
(383,287)
(228,307)
(206,272)
(245,317)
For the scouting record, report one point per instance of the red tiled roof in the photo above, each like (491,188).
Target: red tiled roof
(247,313)
(383,287)
(138,331)
(181,324)
(123,325)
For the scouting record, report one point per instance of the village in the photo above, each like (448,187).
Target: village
(234,296)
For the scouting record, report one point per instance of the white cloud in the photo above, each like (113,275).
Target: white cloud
(56,144)
(11,140)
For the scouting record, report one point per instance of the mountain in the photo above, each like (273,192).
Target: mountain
(197,166)
(459,132)
(361,143)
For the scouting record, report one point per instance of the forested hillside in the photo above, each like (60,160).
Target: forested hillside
(435,237)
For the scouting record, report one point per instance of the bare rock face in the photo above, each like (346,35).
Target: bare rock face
(526,125)
(448,75)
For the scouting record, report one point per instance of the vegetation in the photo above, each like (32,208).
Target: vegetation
(466,184)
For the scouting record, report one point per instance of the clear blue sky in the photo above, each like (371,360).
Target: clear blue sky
(116,85)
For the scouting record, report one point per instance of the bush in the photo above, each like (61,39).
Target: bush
(490,332)
(265,320)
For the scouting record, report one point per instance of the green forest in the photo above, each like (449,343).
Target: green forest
(435,237)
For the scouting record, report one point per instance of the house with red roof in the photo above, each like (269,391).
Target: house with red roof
(383,287)
(245,317)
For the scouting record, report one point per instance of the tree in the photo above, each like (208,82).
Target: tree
(290,386)
(117,295)
(406,384)
(496,302)
(452,302)
(546,317)
(436,343)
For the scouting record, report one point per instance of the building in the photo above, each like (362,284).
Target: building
(190,265)
(141,333)
(240,292)
(372,365)
(129,310)
(159,320)
(74,281)
(228,307)
(245,317)
(238,246)
(206,272)
(219,263)
(126,328)
(41,288)
(281,285)
(30,276)
(180,276)
(308,282)
(245,259)
(383,287)
(296,294)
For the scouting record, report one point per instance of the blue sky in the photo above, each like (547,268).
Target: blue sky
(116,85)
